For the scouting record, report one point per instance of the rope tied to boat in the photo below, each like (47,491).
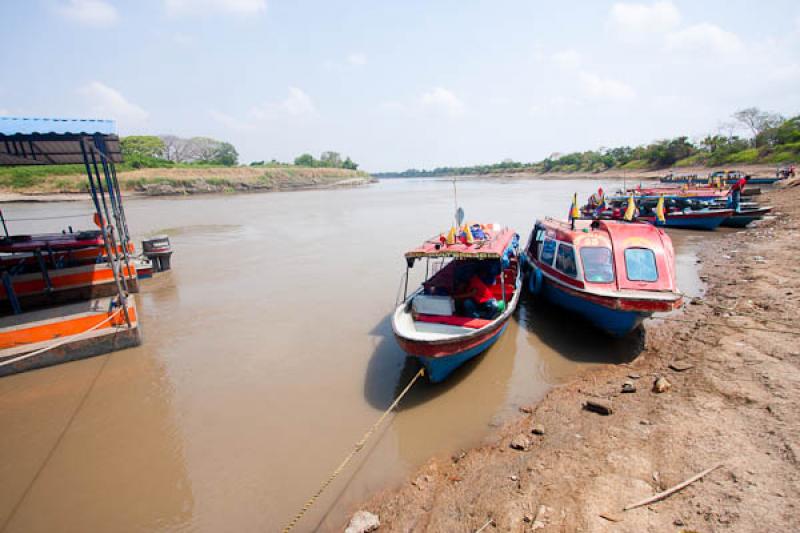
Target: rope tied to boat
(58,343)
(356,448)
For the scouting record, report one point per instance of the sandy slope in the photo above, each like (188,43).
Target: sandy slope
(737,405)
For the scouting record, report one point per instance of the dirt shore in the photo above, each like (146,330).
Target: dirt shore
(642,174)
(735,388)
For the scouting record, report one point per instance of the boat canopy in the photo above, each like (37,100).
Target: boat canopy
(55,141)
(492,247)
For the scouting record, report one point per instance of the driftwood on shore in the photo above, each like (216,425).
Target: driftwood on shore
(672,490)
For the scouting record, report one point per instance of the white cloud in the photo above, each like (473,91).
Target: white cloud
(105,102)
(445,100)
(357,59)
(4,112)
(567,59)
(88,12)
(202,7)
(229,122)
(641,20)
(599,88)
(553,105)
(704,37)
(296,104)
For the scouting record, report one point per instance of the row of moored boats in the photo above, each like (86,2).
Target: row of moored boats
(611,262)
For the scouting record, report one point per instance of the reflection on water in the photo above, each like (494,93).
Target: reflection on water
(268,352)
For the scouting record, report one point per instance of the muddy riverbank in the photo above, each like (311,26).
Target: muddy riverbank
(733,399)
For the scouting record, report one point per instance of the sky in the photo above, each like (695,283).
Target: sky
(402,84)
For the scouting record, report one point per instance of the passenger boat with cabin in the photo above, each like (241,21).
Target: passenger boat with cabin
(614,273)
(461,309)
(679,212)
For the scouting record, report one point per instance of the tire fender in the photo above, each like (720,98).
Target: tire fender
(535,280)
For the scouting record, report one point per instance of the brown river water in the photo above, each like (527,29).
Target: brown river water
(267,353)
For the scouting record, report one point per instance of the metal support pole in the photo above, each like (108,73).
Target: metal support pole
(405,289)
(5,228)
(106,240)
(116,203)
(114,260)
(503,281)
(12,296)
(43,267)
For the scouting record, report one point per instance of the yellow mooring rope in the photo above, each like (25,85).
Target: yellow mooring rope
(357,448)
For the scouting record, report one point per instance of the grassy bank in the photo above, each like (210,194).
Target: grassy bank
(188,179)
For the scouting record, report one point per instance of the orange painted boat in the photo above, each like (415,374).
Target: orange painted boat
(66,284)
(64,333)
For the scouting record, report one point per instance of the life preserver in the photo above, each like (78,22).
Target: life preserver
(535,280)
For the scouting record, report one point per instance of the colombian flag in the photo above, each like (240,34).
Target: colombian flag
(574,213)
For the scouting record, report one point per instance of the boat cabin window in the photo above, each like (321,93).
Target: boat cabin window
(598,266)
(565,260)
(548,252)
(536,241)
(641,264)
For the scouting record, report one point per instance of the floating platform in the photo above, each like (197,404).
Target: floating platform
(74,331)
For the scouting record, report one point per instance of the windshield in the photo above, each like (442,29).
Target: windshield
(597,264)
(641,264)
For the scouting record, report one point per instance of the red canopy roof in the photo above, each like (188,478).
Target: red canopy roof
(490,248)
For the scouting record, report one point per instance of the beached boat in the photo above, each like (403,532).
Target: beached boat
(614,273)
(726,177)
(435,323)
(679,212)
(705,219)
(743,217)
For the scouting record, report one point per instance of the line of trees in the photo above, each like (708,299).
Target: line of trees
(326,160)
(165,150)
(771,138)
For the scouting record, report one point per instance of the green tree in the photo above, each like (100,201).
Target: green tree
(142,146)
(226,155)
(348,164)
(330,159)
(305,160)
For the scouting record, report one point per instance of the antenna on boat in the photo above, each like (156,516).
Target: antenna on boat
(457,211)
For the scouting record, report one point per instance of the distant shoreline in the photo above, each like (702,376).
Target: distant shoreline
(614,173)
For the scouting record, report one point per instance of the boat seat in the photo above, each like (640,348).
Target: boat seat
(461,321)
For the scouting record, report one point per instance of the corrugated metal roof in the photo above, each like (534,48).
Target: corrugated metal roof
(52,141)
(57,126)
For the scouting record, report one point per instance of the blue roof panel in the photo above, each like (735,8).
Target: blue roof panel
(58,126)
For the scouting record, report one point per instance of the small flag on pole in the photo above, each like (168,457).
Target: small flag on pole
(630,212)
(660,217)
(574,213)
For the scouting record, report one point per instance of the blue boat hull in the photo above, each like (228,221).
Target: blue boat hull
(706,223)
(439,368)
(616,323)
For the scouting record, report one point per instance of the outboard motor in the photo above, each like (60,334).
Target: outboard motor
(159,251)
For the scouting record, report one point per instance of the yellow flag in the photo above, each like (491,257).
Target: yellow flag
(574,213)
(631,210)
(660,210)
(468,234)
(451,237)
